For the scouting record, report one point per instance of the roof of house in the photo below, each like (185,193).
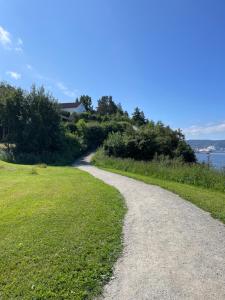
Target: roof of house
(69,105)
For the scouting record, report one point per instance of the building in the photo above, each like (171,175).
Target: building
(72,107)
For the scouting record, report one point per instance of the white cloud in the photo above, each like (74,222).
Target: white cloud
(203,130)
(7,41)
(14,75)
(65,90)
(5,38)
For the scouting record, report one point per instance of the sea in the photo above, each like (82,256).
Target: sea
(216,159)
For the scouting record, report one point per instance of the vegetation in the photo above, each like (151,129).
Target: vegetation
(60,229)
(60,232)
(138,117)
(30,126)
(197,183)
(87,102)
(35,130)
(149,141)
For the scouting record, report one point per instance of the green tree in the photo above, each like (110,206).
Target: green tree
(43,130)
(106,106)
(30,121)
(102,107)
(185,152)
(112,107)
(87,102)
(13,114)
(138,117)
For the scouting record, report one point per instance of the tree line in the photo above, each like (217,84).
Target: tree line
(34,129)
(106,106)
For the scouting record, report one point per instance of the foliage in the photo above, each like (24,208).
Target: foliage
(39,132)
(185,151)
(138,117)
(13,114)
(87,102)
(106,106)
(60,231)
(42,131)
(92,134)
(167,169)
(147,142)
(31,123)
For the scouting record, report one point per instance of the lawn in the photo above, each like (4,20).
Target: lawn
(60,232)
(211,199)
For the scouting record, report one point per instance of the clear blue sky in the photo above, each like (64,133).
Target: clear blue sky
(167,57)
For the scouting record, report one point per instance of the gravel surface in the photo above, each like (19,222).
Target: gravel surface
(172,249)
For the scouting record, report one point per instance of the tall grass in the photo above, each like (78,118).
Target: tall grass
(172,170)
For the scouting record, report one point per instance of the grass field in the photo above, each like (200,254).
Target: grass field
(209,199)
(60,232)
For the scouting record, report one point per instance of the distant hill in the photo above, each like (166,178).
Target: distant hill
(200,144)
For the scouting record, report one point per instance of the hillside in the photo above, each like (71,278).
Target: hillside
(36,130)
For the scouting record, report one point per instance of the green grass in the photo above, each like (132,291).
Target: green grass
(211,200)
(173,170)
(60,232)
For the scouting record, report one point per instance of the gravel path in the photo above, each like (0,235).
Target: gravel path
(172,249)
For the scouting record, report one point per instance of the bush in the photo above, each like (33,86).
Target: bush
(114,126)
(146,143)
(94,135)
(4,155)
(70,149)
(115,145)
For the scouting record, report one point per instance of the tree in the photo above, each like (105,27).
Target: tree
(29,121)
(87,102)
(106,106)
(112,107)
(185,152)
(102,107)
(43,129)
(13,114)
(138,117)
(120,109)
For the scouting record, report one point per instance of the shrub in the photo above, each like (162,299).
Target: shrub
(94,135)
(70,149)
(115,145)
(147,142)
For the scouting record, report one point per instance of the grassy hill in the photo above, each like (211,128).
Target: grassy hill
(60,232)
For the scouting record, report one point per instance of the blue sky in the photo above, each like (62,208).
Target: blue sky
(167,57)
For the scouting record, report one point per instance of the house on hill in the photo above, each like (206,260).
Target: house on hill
(72,107)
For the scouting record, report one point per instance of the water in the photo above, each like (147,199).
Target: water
(217,159)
